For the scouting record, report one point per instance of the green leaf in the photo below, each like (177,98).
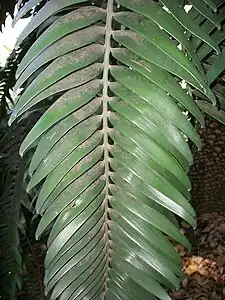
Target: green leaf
(108,158)
(68,103)
(74,244)
(182,184)
(165,21)
(153,177)
(119,283)
(69,23)
(127,243)
(59,176)
(150,52)
(218,37)
(49,139)
(73,80)
(64,147)
(181,206)
(217,67)
(49,9)
(159,77)
(206,11)
(145,142)
(183,18)
(60,47)
(213,111)
(149,233)
(210,28)
(158,38)
(57,70)
(145,281)
(140,205)
(64,261)
(212,4)
(156,97)
(150,127)
(66,197)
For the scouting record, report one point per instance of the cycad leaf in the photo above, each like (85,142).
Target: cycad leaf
(218,37)
(49,9)
(73,138)
(112,156)
(212,4)
(206,11)
(64,174)
(165,21)
(217,67)
(146,282)
(213,111)
(49,139)
(204,49)
(67,197)
(159,77)
(72,80)
(134,179)
(140,205)
(141,138)
(208,26)
(69,23)
(66,44)
(25,9)
(152,53)
(182,183)
(179,13)
(74,99)
(154,95)
(57,70)
(157,37)
(153,127)
(126,239)
(147,50)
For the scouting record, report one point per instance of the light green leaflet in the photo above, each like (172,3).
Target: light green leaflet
(159,77)
(217,67)
(212,111)
(49,9)
(206,11)
(165,21)
(69,23)
(66,44)
(64,106)
(179,13)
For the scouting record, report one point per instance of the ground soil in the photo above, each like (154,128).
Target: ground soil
(204,266)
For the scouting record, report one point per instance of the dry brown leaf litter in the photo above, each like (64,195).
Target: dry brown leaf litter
(204,266)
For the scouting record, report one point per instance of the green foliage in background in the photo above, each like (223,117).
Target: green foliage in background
(109,157)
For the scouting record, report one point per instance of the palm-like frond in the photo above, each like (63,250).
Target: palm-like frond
(213,64)
(112,155)
(15,254)
(207,172)
(10,256)
(7,82)
(8,7)
(10,194)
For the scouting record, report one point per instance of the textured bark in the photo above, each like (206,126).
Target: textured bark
(208,172)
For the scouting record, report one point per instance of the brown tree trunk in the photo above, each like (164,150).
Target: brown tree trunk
(208,172)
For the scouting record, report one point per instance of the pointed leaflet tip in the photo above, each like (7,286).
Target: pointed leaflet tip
(21,152)
(212,97)
(11,119)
